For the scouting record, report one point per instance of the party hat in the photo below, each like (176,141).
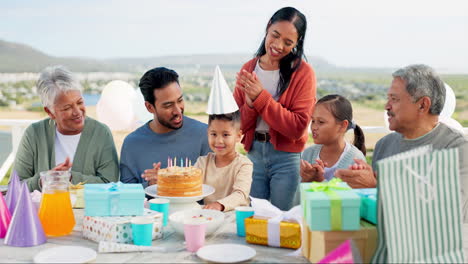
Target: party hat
(13,192)
(25,228)
(109,247)
(5,216)
(221,100)
(347,252)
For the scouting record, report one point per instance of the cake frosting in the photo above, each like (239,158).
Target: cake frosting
(180,181)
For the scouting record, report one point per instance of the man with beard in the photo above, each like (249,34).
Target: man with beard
(414,102)
(170,134)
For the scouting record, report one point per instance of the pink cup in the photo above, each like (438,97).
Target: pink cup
(194,233)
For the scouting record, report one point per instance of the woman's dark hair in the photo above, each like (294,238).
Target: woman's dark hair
(156,78)
(292,61)
(233,117)
(341,109)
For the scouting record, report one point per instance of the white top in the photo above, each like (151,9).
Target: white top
(330,172)
(269,80)
(65,146)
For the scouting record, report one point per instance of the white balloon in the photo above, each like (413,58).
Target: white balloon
(452,123)
(450,103)
(141,113)
(115,107)
(387,125)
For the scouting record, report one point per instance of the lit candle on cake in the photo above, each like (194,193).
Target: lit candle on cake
(186,161)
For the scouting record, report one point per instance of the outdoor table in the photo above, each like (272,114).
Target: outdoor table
(173,242)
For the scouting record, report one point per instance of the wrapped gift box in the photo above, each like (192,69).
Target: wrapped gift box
(256,232)
(330,206)
(114,199)
(117,228)
(368,204)
(317,244)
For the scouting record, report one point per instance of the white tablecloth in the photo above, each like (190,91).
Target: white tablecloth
(171,240)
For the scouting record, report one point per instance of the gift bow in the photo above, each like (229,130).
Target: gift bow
(264,208)
(114,196)
(332,185)
(329,189)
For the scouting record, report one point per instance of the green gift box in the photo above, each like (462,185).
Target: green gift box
(368,204)
(330,205)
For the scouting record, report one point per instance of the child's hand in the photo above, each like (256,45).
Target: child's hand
(151,175)
(312,172)
(214,206)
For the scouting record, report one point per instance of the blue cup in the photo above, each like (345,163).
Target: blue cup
(162,206)
(142,230)
(242,212)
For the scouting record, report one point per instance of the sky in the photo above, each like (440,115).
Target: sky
(347,33)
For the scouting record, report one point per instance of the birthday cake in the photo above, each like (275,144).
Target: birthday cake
(180,181)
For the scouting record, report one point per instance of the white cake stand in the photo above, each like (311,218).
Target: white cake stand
(181,203)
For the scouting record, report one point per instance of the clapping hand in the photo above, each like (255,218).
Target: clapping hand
(358,175)
(250,84)
(151,175)
(313,172)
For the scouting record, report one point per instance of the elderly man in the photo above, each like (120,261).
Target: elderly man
(415,100)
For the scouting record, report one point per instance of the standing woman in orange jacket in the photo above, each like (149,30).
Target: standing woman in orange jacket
(275,92)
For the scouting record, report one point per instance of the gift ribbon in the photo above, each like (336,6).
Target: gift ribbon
(114,196)
(329,189)
(366,192)
(264,208)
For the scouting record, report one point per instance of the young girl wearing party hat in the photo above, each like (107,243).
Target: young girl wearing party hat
(229,172)
(332,117)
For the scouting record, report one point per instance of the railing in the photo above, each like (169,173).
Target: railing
(18,127)
(17,130)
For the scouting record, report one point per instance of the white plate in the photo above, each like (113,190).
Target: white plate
(206,190)
(226,253)
(66,254)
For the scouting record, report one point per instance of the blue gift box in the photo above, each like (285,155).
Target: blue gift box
(330,206)
(114,199)
(368,204)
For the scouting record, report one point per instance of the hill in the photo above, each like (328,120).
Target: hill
(17,57)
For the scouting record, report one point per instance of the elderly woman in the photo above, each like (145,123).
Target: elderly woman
(67,140)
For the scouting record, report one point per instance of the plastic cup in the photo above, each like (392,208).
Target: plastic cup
(242,212)
(194,233)
(142,230)
(162,206)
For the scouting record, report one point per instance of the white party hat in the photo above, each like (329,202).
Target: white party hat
(221,100)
